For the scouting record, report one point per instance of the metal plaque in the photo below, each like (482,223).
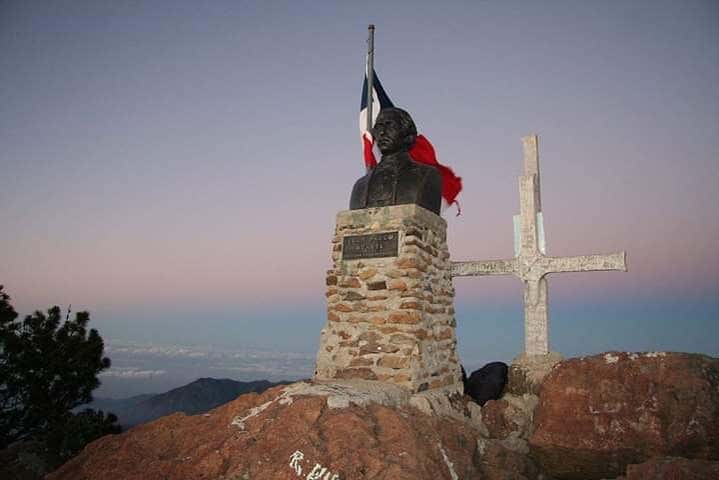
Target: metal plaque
(375,245)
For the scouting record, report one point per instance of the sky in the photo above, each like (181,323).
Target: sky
(175,168)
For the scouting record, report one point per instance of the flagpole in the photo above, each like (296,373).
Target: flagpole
(370,75)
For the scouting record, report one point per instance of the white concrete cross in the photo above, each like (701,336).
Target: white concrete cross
(531,264)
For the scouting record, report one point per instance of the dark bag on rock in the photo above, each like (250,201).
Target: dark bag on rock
(486,383)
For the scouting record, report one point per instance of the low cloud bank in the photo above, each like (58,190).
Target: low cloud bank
(139,367)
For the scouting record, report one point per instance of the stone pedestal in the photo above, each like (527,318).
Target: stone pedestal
(390,318)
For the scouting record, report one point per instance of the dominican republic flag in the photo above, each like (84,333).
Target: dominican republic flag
(422,151)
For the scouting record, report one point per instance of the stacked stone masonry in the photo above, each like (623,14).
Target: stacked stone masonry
(391,319)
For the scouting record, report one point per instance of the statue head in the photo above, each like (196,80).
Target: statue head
(394,131)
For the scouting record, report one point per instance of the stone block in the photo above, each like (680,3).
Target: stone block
(352,296)
(361,373)
(361,362)
(405,317)
(379,285)
(350,282)
(398,339)
(411,304)
(393,361)
(342,307)
(367,273)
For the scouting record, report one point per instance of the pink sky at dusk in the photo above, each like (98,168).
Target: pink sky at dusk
(179,158)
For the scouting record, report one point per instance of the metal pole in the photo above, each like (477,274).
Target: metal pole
(370,75)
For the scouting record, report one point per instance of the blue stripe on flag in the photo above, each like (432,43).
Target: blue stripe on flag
(384,101)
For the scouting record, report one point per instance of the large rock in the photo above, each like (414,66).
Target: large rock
(296,432)
(598,414)
(505,425)
(511,414)
(501,463)
(673,468)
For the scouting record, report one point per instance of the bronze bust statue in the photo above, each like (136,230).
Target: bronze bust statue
(397,179)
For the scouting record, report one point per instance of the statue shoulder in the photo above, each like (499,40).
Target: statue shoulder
(429,173)
(358,198)
(428,167)
(432,189)
(362,181)
(433,174)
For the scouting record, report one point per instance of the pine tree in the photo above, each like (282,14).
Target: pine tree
(47,368)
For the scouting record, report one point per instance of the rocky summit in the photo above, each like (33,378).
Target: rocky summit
(299,431)
(613,415)
(598,414)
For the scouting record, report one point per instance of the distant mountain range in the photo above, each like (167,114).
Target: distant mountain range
(199,396)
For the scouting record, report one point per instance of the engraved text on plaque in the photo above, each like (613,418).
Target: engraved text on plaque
(375,245)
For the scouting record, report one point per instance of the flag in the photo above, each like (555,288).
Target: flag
(380,100)
(422,151)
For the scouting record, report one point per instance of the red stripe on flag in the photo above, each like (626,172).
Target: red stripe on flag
(423,152)
(369,160)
